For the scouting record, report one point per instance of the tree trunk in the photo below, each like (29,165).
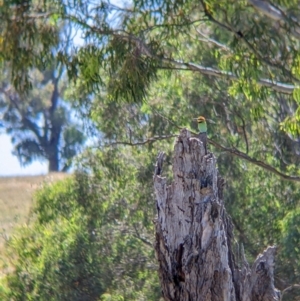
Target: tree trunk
(56,127)
(53,165)
(194,234)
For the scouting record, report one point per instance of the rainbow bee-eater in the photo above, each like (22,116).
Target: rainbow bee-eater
(202,126)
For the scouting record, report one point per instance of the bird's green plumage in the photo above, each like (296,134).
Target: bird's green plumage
(202,127)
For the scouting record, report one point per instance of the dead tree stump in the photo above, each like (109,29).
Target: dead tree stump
(194,234)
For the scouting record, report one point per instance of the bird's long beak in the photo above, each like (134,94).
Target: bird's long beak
(195,118)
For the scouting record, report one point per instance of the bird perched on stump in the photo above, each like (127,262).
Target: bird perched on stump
(202,126)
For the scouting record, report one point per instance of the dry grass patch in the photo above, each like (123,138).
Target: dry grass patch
(16,199)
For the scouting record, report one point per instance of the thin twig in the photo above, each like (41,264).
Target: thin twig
(244,131)
(254,161)
(288,289)
(138,236)
(210,40)
(149,140)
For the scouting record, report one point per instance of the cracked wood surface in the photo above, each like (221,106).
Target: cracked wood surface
(194,234)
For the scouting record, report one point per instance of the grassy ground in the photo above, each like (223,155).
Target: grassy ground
(16,200)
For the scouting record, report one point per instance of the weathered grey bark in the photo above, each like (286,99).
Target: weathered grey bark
(194,234)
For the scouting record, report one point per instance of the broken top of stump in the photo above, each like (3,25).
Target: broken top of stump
(194,233)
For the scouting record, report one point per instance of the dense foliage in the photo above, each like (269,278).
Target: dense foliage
(89,242)
(139,73)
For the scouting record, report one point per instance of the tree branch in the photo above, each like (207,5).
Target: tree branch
(24,119)
(232,151)
(276,14)
(240,154)
(212,41)
(254,161)
(149,140)
(276,86)
(138,236)
(288,289)
(240,35)
(188,66)
(244,130)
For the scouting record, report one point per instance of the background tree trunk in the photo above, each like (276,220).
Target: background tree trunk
(194,234)
(53,161)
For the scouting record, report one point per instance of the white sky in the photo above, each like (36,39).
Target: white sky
(9,164)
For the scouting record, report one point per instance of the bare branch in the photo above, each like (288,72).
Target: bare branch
(276,14)
(232,151)
(267,9)
(149,140)
(288,289)
(212,41)
(138,236)
(242,155)
(244,130)
(191,22)
(240,35)
(276,86)
(188,66)
(254,161)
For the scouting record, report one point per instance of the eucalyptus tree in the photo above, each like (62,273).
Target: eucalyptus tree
(143,70)
(32,106)
(246,52)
